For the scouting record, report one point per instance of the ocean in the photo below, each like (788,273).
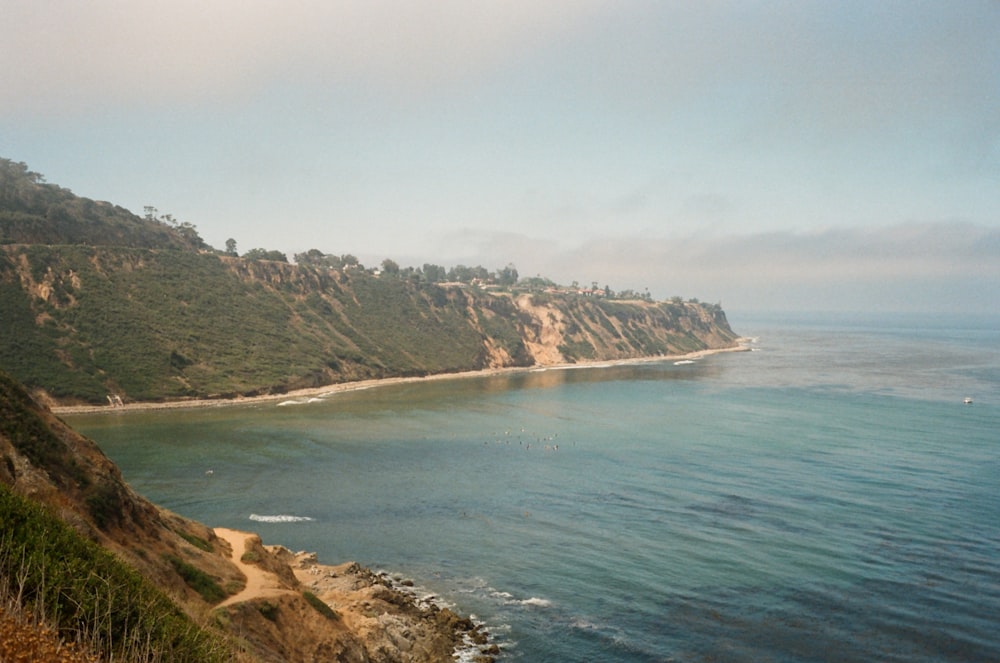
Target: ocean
(827,496)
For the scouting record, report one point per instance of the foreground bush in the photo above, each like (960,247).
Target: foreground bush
(89,596)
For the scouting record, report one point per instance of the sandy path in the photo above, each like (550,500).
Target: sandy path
(260,583)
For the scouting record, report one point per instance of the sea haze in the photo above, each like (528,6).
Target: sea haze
(826,497)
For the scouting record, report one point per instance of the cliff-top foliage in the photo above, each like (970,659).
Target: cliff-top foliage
(33,211)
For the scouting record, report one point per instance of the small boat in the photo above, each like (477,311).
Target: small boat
(968,400)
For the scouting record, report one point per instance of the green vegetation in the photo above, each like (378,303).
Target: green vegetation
(34,212)
(321,607)
(268,610)
(105,503)
(84,322)
(265,254)
(89,595)
(32,437)
(197,579)
(195,541)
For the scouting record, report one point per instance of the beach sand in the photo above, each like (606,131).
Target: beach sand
(315,392)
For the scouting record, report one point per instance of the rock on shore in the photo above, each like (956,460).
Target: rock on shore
(370,618)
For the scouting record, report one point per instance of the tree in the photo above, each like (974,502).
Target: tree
(189,231)
(231,247)
(460,273)
(316,258)
(264,254)
(508,275)
(390,266)
(434,273)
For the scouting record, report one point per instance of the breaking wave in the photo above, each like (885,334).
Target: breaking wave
(281,518)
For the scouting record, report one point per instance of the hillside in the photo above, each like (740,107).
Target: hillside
(33,211)
(95,562)
(98,302)
(83,322)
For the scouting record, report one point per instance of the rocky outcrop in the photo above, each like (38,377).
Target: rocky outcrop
(348,613)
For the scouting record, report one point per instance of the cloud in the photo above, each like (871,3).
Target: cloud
(942,266)
(837,64)
(105,53)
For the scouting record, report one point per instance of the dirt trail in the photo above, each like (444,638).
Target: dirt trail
(260,583)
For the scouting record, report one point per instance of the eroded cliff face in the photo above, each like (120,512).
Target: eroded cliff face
(571,329)
(82,323)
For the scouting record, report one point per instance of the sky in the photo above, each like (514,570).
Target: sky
(768,156)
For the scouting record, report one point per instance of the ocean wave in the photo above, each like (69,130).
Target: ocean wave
(537,602)
(682,362)
(584,624)
(281,518)
(314,399)
(508,599)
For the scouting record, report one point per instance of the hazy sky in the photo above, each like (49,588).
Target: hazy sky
(768,155)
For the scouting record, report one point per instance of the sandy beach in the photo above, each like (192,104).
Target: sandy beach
(327,390)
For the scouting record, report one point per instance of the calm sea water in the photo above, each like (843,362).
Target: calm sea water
(826,497)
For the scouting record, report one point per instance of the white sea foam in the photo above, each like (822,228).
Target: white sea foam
(281,518)
(537,602)
(293,401)
(683,362)
(584,624)
(508,599)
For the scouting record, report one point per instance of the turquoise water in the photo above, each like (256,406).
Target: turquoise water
(826,497)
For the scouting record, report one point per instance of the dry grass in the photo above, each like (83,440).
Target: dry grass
(22,640)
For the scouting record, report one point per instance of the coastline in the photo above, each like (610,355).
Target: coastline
(381,614)
(327,390)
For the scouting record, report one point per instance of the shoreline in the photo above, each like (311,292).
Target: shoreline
(359,385)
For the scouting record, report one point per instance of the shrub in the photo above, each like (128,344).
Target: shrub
(321,606)
(196,541)
(269,610)
(197,579)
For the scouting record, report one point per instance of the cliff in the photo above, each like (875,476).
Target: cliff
(83,322)
(102,565)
